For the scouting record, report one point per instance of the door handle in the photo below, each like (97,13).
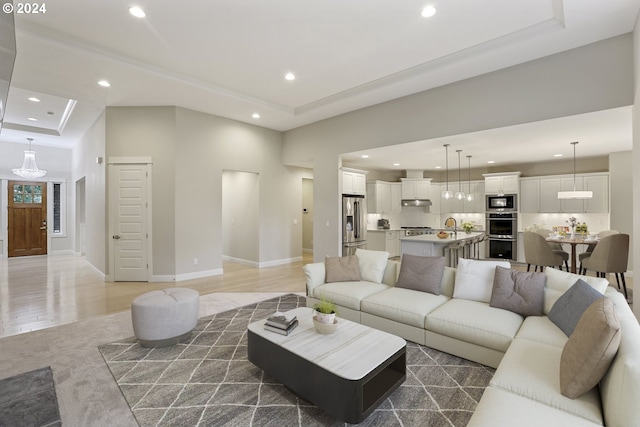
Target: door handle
(116,237)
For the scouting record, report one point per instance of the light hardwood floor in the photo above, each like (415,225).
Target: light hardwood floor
(44,291)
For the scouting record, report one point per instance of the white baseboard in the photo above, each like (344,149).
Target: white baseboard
(255,264)
(307,250)
(95,269)
(198,275)
(280,262)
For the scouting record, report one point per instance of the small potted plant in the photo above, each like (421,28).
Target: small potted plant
(468,227)
(325,311)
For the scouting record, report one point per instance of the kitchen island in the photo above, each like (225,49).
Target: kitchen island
(432,245)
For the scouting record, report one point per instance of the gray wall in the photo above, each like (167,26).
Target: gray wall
(636,158)
(620,178)
(84,165)
(190,151)
(241,216)
(586,79)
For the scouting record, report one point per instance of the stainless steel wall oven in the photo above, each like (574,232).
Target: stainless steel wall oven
(502,228)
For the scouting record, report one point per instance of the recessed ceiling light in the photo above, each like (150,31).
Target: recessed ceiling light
(137,12)
(33,99)
(104,83)
(428,11)
(396,164)
(255,115)
(438,167)
(290,76)
(32,119)
(557,155)
(491,161)
(365,156)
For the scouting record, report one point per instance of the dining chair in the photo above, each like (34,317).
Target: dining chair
(587,253)
(610,256)
(538,252)
(556,247)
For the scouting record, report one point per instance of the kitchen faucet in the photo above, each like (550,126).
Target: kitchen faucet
(451,222)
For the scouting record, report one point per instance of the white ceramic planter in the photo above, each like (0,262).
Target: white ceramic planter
(325,318)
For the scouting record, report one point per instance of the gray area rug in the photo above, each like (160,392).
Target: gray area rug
(29,399)
(208,381)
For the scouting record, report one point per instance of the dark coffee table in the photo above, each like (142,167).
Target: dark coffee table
(347,374)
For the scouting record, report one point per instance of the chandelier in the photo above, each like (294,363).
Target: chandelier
(575,194)
(29,169)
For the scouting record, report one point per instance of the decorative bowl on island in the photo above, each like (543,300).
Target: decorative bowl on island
(442,234)
(325,328)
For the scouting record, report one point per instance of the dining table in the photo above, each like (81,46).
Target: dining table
(573,242)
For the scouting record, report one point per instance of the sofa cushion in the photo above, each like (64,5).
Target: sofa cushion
(590,349)
(403,305)
(532,370)
(475,322)
(568,309)
(519,291)
(342,269)
(558,282)
(542,330)
(348,294)
(372,264)
(619,387)
(421,273)
(474,279)
(315,275)
(500,408)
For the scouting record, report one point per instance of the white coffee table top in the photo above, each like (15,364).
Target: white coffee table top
(351,352)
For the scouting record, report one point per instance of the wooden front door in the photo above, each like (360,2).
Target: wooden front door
(27,218)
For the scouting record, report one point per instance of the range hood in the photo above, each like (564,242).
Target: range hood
(416,202)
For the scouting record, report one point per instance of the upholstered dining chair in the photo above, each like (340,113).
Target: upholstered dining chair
(556,247)
(610,256)
(587,253)
(538,252)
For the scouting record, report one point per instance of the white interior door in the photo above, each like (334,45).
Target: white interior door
(130,237)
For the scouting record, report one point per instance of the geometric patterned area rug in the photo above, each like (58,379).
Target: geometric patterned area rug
(29,399)
(208,381)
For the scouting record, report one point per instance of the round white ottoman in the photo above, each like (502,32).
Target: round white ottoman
(166,317)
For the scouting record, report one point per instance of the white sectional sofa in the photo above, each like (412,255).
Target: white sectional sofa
(525,390)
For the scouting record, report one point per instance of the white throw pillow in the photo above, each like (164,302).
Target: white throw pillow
(474,279)
(559,282)
(372,264)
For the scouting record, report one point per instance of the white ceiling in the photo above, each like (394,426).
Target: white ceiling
(229,57)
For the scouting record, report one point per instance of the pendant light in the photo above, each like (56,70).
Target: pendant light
(459,194)
(575,194)
(446,194)
(29,169)
(469,195)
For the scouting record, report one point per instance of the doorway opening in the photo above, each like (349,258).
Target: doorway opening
(307,216)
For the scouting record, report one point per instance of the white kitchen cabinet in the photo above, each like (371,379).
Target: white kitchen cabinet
(479,201)
(530,196)
(384,197)
(599,184)
(549,202)
(502,183)
(354,182)
(396,197)
(416,188)
(549,188)
(436,198)
(384,240)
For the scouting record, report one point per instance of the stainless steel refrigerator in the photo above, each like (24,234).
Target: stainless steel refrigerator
(354,224)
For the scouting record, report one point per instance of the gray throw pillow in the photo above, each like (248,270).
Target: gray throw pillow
(342,269)
(521,292)
(568,309)
(421,273)
(590,350)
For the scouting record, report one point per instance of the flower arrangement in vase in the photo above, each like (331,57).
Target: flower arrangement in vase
(468,227)
(572,221)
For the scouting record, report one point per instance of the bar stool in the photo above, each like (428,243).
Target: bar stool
(452,253)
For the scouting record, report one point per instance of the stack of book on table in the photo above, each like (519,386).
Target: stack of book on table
(281,323)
